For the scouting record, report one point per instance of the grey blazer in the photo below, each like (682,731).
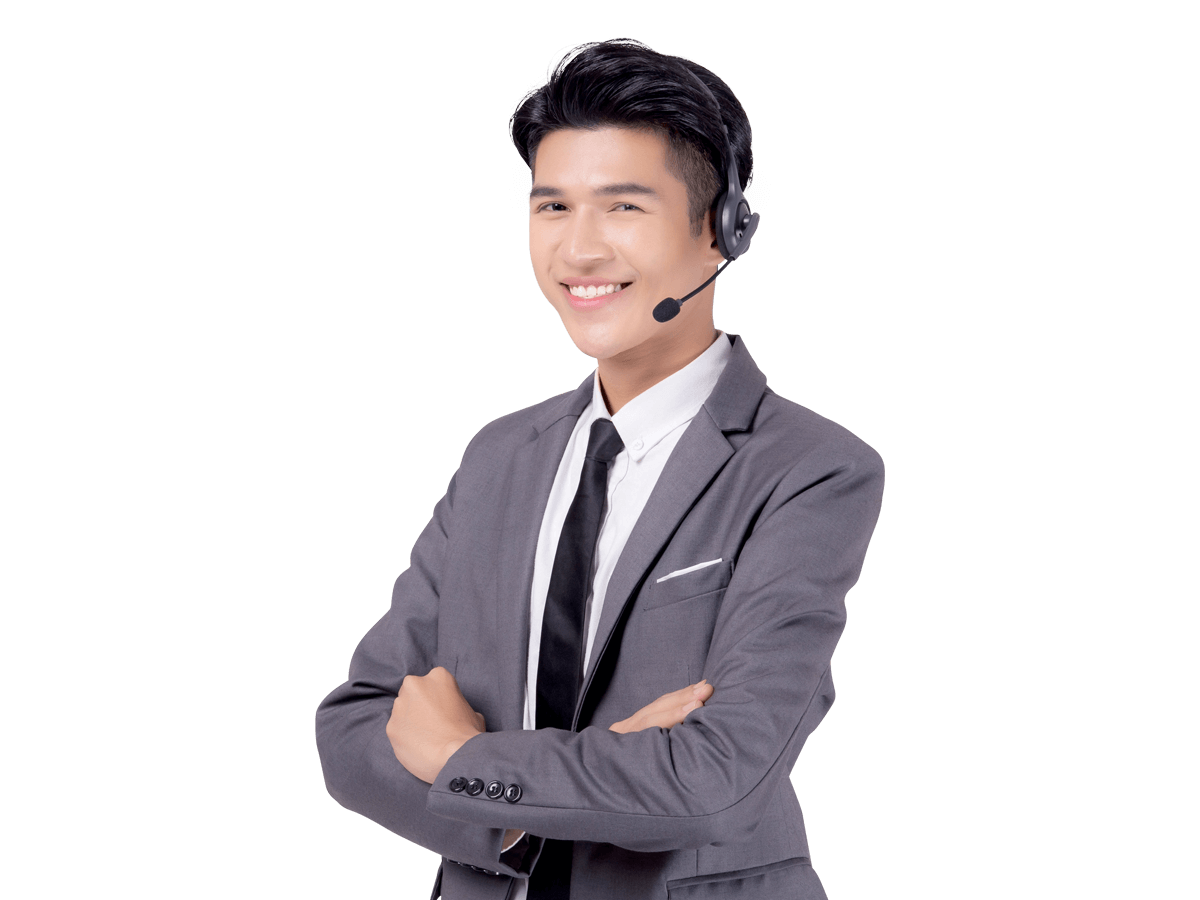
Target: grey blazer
(786,499)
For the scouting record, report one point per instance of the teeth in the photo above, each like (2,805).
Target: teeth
(587,293)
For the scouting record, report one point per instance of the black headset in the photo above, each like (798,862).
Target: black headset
(735,224)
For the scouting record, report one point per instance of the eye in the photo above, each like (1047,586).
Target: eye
(622,207)
(552,206)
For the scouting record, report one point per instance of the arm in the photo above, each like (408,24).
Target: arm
(708,779)
(666,712)
(361,770)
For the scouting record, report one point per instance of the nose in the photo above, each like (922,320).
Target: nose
(584,243)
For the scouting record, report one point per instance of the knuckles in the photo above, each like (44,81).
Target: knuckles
(437,673)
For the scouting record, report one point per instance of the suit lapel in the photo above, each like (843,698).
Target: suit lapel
(696,459)
(700,454)
(533,468)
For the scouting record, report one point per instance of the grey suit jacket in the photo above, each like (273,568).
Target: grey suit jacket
(787,500)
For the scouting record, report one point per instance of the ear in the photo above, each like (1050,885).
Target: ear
(710,235)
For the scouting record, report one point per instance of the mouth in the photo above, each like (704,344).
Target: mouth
(581,292)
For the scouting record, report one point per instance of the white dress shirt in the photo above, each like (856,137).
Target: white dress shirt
(650,426)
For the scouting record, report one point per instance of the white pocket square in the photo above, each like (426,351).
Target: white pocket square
(677,572)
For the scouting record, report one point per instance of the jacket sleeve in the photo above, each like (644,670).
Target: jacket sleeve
(361,771)
(707,780)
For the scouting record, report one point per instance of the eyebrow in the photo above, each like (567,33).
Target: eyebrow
(608,190)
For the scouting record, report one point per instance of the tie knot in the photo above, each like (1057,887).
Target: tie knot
(604,443)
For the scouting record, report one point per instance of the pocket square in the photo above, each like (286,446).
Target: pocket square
(678,572)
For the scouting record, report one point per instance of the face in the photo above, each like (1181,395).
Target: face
(609,238)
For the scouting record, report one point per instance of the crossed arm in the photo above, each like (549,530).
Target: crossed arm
(681,787)
(431,719)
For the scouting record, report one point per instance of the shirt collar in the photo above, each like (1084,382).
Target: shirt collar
(656,412)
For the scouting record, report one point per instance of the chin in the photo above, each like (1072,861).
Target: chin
(605,333)
(600,342)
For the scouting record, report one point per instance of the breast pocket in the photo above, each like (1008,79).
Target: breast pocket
(688,585)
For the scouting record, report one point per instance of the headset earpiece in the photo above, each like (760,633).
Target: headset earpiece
(735,223)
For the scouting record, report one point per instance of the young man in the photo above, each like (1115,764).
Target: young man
(615,634)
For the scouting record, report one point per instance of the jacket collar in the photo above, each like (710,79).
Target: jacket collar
(731,404)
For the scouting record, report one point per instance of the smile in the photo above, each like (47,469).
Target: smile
(593,290)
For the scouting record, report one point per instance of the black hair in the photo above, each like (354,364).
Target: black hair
(624,83)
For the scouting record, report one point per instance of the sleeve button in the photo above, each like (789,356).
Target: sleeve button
(513,793)
(494,790)
(474,787)
(457,784)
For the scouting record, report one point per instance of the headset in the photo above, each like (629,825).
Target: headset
(735,223)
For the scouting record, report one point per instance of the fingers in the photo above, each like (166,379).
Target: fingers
(668,710)
(700,692)
(700,689)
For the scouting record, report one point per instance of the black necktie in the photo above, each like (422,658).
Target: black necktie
(560,659)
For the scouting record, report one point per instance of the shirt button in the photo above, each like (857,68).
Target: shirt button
(637,445)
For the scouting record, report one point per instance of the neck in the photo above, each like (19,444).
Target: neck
(626,376)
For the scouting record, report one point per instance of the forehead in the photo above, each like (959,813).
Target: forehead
(573,158)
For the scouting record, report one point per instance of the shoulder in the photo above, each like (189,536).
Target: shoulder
(518,428)
(793,436)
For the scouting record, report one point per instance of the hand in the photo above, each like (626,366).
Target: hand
(668,710)
(430,720)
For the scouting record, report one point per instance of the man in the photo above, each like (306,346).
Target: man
(616,631)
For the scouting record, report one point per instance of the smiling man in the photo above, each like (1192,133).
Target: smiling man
(615,634)
(610,235)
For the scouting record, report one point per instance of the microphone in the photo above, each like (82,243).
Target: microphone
(669,308)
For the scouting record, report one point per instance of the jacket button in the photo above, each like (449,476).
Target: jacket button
(457,784)
(494,790)
(513,793)
(474,787)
